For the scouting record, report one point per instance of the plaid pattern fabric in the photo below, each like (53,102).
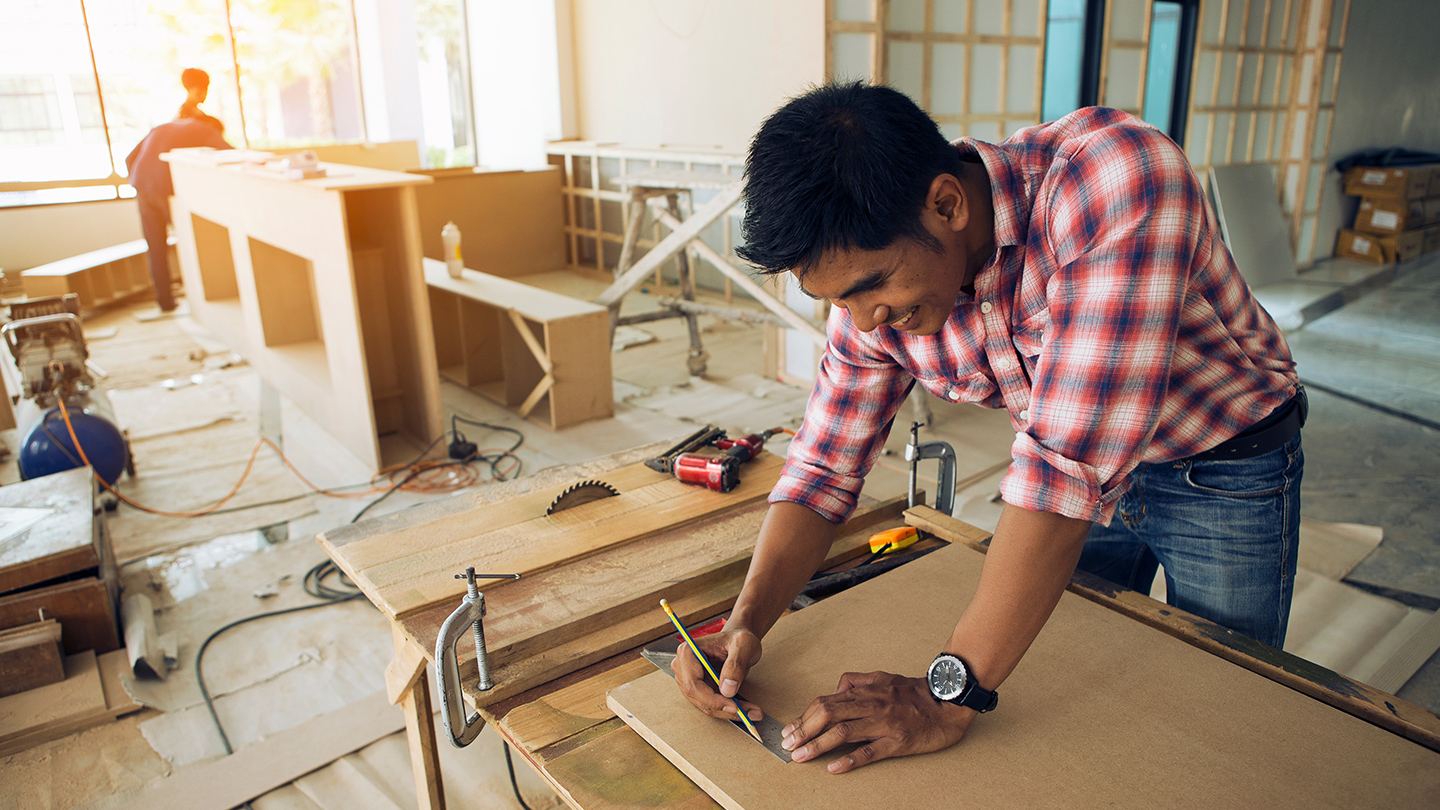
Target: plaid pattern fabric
(1111,323)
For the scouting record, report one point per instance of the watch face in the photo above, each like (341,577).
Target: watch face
(947,677)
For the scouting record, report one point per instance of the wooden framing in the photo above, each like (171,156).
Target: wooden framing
(318,283)
(1262,84)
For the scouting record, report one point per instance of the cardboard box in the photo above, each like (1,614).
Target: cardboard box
(1432,238)
(1432,209)
(1402,182)
(1380,249)
(1386,217)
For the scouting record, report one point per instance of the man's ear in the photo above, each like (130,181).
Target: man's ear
(949,202)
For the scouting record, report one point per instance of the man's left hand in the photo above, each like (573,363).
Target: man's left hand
(894,716)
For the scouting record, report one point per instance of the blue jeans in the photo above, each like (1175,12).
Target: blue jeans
(1226,531)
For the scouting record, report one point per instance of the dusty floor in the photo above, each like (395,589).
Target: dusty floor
(193,435)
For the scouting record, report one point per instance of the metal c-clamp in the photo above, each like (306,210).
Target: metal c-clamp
(945,487)
(462,729)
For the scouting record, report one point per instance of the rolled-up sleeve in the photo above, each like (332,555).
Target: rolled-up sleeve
(857,391)
(1123,215)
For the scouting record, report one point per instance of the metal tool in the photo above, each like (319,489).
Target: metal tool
(47,340)
(945,487)
(462,729)
(661,653)
(581,493)
(720,473)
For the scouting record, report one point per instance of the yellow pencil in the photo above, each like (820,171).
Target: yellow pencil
(706,663)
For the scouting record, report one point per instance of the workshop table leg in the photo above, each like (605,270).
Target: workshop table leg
(699,358)
(414,700)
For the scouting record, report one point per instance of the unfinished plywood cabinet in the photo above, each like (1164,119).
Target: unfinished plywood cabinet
(98,277)
(318,283)
(544,354)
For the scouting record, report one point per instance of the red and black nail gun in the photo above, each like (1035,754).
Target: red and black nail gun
(718,472)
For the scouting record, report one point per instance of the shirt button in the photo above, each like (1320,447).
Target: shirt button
(1025,415)
(1004,364)
(985,307)
(954,395)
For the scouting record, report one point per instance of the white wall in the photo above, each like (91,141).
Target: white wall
(690,73)
(45,233)
(1388,94)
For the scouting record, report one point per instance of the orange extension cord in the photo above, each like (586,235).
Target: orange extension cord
(417,476)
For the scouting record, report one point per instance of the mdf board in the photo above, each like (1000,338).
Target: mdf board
(1102,712)
(318,284)
(511,222)
(97,277)
(478,321)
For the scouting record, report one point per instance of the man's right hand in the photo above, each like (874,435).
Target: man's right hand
(738,650)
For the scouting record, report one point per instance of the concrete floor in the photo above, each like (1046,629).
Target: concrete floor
(1364,466)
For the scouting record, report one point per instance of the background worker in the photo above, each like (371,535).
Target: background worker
(150,177)
(1072,275)
(197,88)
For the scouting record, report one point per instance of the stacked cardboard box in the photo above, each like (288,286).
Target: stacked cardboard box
(1399,214)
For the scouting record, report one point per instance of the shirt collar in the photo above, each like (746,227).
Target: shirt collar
(1007,188)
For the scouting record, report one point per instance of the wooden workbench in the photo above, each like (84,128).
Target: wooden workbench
(550,703)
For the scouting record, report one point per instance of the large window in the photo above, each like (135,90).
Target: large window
(283,74)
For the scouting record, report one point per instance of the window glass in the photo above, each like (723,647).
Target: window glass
(1064,45)
(141,48)
(1162,65)
(49,110)
(297,74)
(448,133)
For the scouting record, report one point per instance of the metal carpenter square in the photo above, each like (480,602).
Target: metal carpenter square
(662,652)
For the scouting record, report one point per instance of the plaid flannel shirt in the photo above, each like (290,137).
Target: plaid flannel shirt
(1111,323)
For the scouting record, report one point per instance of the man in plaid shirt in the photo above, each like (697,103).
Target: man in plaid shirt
(1072,275)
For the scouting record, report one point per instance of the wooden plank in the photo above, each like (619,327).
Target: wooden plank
(408,582)
(420,734)
(569,711)
(30,657)
(673,243)
(1102,707)
(1361,700)
(693,604)
(511,222)
(83,608)
(50,712)
(63,542)
(608,767)
(405,669)
(266,763)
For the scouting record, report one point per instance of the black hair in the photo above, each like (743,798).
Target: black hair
(842,166)
(194,78)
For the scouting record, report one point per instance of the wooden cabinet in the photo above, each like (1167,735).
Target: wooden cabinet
(318,283)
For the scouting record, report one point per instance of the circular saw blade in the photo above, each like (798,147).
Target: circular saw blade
(581,493)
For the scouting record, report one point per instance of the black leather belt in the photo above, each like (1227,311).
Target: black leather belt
(1270,433)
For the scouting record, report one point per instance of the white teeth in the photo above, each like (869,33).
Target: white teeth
(906,317)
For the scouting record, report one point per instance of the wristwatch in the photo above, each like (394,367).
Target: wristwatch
(950,680)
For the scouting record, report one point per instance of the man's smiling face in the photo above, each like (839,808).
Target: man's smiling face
(906,286)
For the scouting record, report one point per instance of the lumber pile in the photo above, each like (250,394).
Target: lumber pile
(90,694)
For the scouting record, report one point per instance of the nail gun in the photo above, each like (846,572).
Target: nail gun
(721,472)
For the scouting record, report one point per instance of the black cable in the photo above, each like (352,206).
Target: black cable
(1374,406)
(509,766)
(45,426)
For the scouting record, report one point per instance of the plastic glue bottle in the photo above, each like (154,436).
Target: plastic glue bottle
(450,240)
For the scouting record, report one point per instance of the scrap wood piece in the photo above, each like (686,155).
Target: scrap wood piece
(405,669)
(1359,699)
(265,764)
(415,581)
(53,711)
(30,657)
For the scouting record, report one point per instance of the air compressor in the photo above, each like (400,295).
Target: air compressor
(48,343)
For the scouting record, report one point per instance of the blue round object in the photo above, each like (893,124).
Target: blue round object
(48,449)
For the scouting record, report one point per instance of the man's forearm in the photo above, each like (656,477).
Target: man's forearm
(1031,559)
(792,544)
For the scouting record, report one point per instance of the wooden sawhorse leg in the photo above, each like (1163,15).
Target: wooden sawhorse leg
(405,684)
